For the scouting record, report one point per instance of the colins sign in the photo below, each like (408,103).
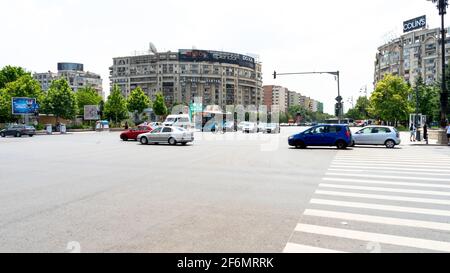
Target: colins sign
(189,55)
(416,23)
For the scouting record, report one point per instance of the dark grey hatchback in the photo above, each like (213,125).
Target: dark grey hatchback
(18,131)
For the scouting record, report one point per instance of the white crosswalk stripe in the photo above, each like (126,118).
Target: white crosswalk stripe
(398,199)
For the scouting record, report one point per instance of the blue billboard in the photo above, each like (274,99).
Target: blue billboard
(24,106)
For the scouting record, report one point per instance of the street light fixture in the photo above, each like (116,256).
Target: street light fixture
(442,7)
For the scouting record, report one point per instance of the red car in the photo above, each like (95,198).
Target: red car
(133,133)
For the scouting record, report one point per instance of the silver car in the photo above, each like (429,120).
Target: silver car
(167,134)
(377,135)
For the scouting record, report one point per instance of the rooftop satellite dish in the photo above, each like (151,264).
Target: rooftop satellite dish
(153,48)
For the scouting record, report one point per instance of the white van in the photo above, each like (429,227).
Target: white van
(183,121)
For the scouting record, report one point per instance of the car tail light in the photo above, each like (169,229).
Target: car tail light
(347,133)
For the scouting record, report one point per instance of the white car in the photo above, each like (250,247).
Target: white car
(249,127)
(165,134)
(377,135)
(272,128)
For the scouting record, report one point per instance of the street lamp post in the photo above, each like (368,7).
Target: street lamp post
(442,7)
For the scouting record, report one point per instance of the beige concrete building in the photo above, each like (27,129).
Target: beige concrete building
(276,95)
(220,78)
(412,55)
(75,75)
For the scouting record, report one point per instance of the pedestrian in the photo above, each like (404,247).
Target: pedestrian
(412,130)
(425,133)
(448,133)
(126,125)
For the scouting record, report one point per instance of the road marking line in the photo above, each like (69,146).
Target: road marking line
(375,237)
(381,207)
(391,164)
(418,170)
(296,248)
(420,160)
(437,193)
(385,197)
(389,177)
(364,181)
(377,219)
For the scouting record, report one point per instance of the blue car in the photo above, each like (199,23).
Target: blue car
(323,135)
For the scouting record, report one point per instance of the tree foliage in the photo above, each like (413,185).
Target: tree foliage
(25,86)
(138,101)
(60,100)
(11,74)
(428,99)
(361,109)
(116,106)
(390,100)
(87,96)
(159,105)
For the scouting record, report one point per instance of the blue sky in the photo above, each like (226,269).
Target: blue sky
(289,36)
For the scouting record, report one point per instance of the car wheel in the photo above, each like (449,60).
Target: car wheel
(184,143)
(18,134)
(124,138)
(172,141)
(390,144)
(144,141)
(341,145)
(353,144)
(300,145)
(30,135)
(2,135)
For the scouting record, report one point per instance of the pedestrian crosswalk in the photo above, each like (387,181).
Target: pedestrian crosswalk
(397,200)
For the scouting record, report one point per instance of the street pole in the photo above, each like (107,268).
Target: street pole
(416,119)
(444,94)
(337,74)
(442,7)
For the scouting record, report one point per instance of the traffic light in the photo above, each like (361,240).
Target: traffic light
(274,75)
(337,109)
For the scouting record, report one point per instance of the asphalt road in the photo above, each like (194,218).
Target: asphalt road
(224,193)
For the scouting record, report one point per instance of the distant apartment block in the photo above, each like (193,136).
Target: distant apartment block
(75,75)
(284,98)
(412,55)
(219,78)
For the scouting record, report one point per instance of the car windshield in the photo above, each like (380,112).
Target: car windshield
(170,120)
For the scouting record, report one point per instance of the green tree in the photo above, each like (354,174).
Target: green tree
(361,109)
(87,96)
(60,100)
(428,97)
(11,74)
(390,100)
(138,101)
(159,105)
(24,86)
(116,106)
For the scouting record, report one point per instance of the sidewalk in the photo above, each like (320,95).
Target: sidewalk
(406,141)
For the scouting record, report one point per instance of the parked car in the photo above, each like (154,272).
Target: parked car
(133,133)
(18,131)
(377,135)
(262,126)
(249,127)
(272,128)
(165,134)
(323,135)
(183,121)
